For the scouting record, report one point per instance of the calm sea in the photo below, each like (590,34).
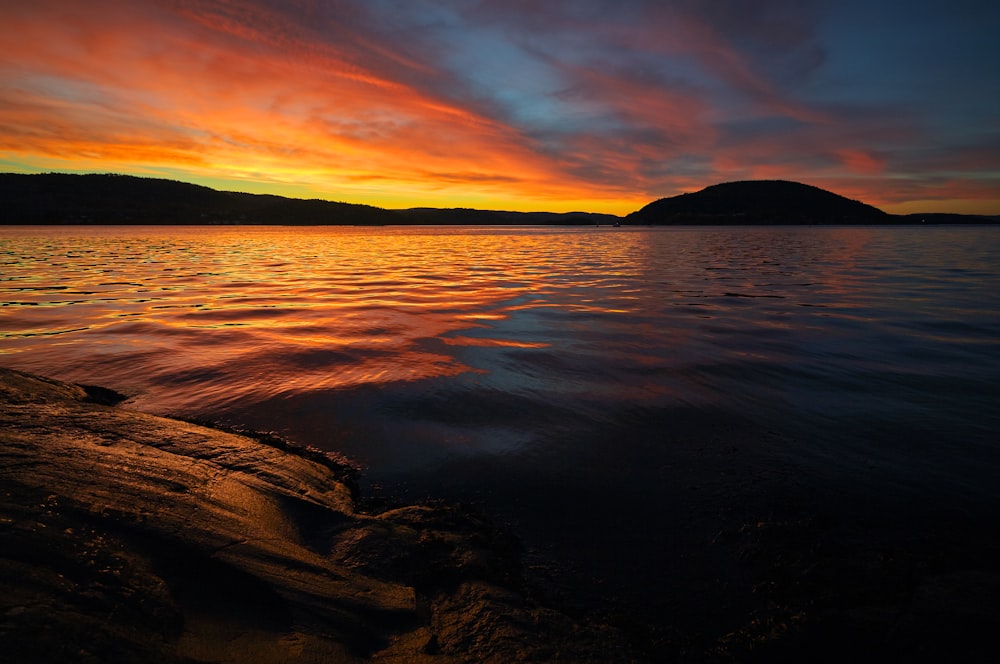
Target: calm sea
(617,395)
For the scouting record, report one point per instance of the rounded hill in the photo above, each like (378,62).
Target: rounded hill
(758,202)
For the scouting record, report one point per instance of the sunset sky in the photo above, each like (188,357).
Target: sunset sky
(598,105)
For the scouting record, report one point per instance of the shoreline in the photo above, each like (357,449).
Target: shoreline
(132,537)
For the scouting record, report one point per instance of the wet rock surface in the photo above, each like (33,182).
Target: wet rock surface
(127,537)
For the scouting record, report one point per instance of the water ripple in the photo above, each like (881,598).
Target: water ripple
(495,338)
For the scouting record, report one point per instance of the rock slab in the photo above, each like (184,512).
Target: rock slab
(128,537)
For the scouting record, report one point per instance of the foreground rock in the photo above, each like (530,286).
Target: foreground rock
(128,537)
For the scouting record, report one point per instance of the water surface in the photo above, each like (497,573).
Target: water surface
(615,394)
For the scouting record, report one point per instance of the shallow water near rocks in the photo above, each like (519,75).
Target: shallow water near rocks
(620,396)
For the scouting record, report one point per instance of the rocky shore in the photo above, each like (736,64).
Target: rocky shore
(126,537)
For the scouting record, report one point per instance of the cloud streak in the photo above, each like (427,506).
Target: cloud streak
(517,105)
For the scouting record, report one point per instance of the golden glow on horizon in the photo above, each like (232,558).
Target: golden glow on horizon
(986,207)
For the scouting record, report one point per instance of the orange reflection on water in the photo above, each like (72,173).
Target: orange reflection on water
(198,319)
(492,343)
(201,317)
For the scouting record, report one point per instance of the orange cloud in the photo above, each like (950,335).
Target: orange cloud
(153,91)
(330,100)
(859,161)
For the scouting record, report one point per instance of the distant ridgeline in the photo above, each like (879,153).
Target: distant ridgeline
(55,198)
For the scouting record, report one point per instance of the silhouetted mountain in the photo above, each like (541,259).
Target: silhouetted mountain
(759,202)
(56,198)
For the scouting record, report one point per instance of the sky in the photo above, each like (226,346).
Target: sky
(556,105)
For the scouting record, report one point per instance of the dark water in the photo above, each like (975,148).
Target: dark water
(617,395)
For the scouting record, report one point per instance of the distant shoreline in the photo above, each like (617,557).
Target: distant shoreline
(56,199)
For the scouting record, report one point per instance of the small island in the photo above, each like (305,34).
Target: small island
(778,203)
(767,202)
